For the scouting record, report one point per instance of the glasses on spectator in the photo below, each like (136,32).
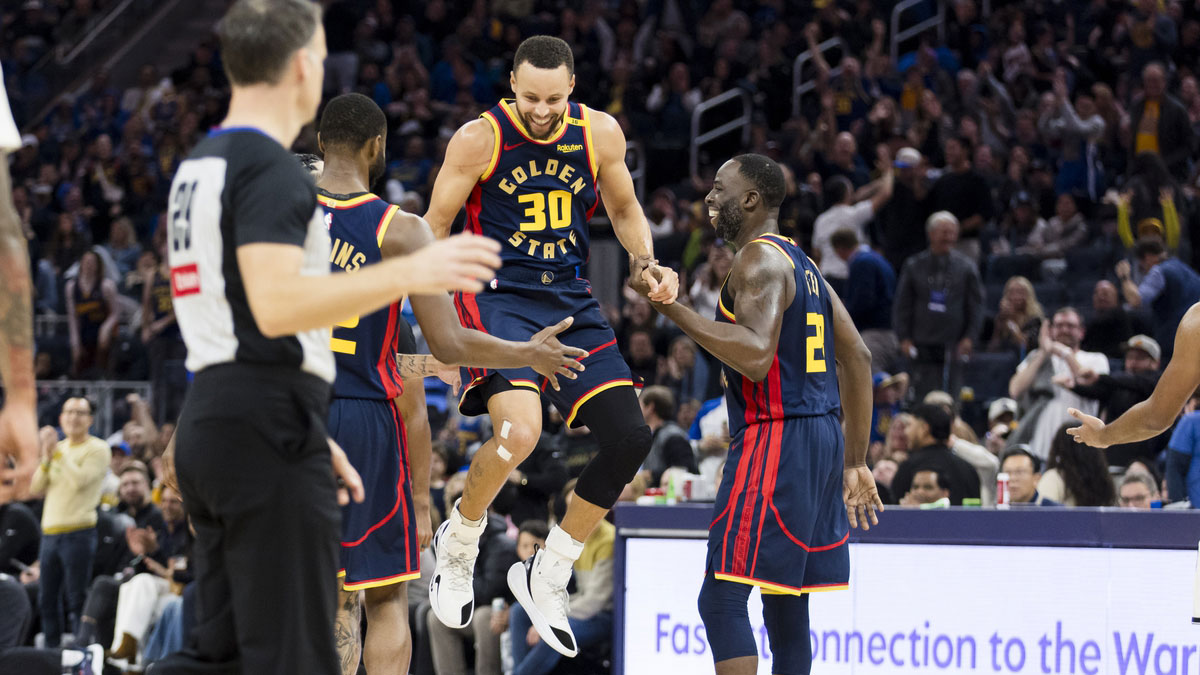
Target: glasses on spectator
(1140,498)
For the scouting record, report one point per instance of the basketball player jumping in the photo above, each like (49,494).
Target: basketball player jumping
(382,536)
(790,492)
(531,171)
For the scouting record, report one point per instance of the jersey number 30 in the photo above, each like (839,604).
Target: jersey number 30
(554,206)
(815,343)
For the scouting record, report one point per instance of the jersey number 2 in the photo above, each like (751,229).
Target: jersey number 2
(815,343)
(343,346)
(554,206)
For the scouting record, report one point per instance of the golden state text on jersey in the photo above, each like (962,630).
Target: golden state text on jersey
(536,197)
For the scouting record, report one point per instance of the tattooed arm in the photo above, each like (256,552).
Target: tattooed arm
(417,366)
(18,425)
(346,632)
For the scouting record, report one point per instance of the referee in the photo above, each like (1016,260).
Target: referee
(249,255)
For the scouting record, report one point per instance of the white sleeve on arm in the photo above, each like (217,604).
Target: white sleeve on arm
(863,213)
(10,138)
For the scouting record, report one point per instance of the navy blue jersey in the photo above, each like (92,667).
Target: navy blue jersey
(536,197)
(803,376)
(364,347)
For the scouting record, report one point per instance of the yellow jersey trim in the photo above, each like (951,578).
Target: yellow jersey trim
(520,126)
(376,583)
(769,588)
(491,167)
(587,139)
(777,247)
(593,393)
(721,305)
(346,203)
(385,222)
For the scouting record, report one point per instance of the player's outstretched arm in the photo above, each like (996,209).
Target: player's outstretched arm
(453,344)
(1154,415)
(285,302)
(628,218)
(763,285)
(468,156)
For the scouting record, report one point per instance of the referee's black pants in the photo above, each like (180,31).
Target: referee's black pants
(254,469)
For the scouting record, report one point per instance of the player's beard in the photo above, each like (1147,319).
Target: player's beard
(527,118)
(376,170)
(729,220)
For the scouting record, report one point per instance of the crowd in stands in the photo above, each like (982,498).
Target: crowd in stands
(1009,214)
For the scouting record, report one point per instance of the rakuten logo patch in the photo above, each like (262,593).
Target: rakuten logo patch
(185,280)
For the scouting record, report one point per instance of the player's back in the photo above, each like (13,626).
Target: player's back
(364,347)
(537,196)
(802,380)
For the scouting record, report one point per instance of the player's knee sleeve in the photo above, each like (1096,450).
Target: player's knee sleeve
(615,419)
(726,619)
(786,619)
(622,451)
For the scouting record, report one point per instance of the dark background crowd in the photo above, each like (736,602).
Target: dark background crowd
(1006,204)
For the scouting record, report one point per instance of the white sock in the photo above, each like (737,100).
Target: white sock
(562,546)
(71,658)
(473,524)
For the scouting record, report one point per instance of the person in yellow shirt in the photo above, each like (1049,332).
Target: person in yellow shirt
(69,477)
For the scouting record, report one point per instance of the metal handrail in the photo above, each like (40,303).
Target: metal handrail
(938,21)
(799,86)
(741,122)
(635,159)
(101,393)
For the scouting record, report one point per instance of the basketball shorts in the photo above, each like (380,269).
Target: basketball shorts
(379,535)
(516,311)
(781,522)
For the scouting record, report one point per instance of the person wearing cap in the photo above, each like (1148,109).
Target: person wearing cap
(1118,392)
(868,295)
(964,444)
(1002,420)
(1050,240)
(899,225)
(1021,221)
(938,312)
(1168,288)
(962,191)
(848,212)
(929,436)
(889,392)
(1044,399)
(1024,471)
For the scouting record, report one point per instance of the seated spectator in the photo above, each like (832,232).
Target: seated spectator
(889,392)
(684,372)
(92,313)
(897,446)
(868,294)
(526,493)
(15,623)
(670,445)
(964,444)
(531,536)
(1044,401)
(1016,228)
(497,552)
(1002,420)
(1183,471)
(927,487)
(962,190)
(590,613)
(929,435)
(641,357)
(710,277)
(1138,490)
(1076,475)
(1118,392)
(19,538)
(1109,326)
(122,247)
(1016,324)
(1168,288)
(1024,471)
(1051,240)
(884,471)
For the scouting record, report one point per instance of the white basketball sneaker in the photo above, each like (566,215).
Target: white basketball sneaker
(451,592)
(540,585)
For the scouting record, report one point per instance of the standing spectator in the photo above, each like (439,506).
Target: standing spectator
(160,334)
(1076,474)
(868,295)
(929,436)
(1159,124)
(1109,325)
(939,309)
(846,214)
(962,191)
(1024,471)
(69,477)
(92,313)
(1078,129)
(1050,240)
(669,445)
(1119,392)
(1043,398)
(898,227)
(1169,287)
(1183,470)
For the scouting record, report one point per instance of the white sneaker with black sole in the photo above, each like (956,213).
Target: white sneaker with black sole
(451,591)
(541,587)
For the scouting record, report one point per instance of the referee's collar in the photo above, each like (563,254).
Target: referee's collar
(221,131)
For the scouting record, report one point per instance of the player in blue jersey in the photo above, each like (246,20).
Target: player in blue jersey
(373,414)
(790,492)
(530,172)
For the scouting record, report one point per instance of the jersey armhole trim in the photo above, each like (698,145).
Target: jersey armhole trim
(587,140)
(384,222)
(777,247)
(499,138)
